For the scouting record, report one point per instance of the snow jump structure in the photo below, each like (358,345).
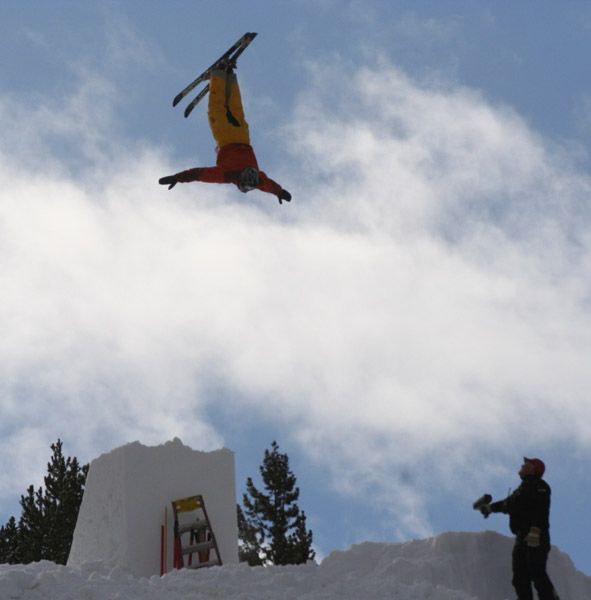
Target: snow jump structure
(121,516)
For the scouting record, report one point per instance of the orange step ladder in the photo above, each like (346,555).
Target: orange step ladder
(195,545)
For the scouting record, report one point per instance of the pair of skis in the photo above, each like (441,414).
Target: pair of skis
(229,57)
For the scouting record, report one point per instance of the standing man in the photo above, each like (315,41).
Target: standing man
(528,508)
(236,161)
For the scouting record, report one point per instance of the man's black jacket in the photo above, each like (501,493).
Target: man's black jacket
(528,506)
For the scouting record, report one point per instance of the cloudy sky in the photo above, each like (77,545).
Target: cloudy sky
(412,324)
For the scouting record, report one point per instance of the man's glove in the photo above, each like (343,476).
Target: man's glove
(169,180)
(483,505)
(284,195)
(532,539)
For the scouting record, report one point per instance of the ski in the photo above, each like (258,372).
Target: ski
(196,100)
(245,39)
(230,56)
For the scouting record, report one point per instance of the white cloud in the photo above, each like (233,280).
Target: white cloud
(426,291)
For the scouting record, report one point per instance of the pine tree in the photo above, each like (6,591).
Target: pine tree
(64,488)
(9,542)
(250,538)
(32,535)
(300,542)
(46,526)
(273,528)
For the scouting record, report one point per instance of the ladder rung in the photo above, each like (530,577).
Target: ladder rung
(198,547)
(195,526)
(210,563)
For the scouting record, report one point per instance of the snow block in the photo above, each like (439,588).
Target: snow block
(123,506)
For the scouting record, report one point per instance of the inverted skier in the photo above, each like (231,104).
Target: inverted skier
(236,161)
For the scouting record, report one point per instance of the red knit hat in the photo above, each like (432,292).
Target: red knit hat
(538,464)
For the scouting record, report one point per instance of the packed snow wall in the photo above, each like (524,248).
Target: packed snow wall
(127,491)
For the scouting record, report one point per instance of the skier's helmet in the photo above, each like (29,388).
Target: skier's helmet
(249,179)
(538,465)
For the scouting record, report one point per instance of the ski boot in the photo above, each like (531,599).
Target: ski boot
(226,65)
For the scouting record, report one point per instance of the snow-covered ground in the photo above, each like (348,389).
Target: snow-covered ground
(452,566)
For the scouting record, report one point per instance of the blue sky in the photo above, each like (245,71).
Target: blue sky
(414,322)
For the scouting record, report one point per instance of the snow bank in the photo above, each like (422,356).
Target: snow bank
(126,492)
(240,582)
(477,564)
(452,566)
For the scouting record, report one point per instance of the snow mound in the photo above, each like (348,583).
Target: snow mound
(240,582)
(126,492)
(452,566)
(478,564)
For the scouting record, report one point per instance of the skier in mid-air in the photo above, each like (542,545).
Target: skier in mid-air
(236,161)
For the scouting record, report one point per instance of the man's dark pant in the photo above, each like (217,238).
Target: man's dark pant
(529,566)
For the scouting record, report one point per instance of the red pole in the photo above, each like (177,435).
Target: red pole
(165,525)
(162,550)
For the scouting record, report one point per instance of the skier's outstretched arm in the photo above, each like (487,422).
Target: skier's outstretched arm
(205,174)
(272,187)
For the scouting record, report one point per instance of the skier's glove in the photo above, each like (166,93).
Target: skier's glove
(284,195)
(532,539)
(169,180)
(485,510)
